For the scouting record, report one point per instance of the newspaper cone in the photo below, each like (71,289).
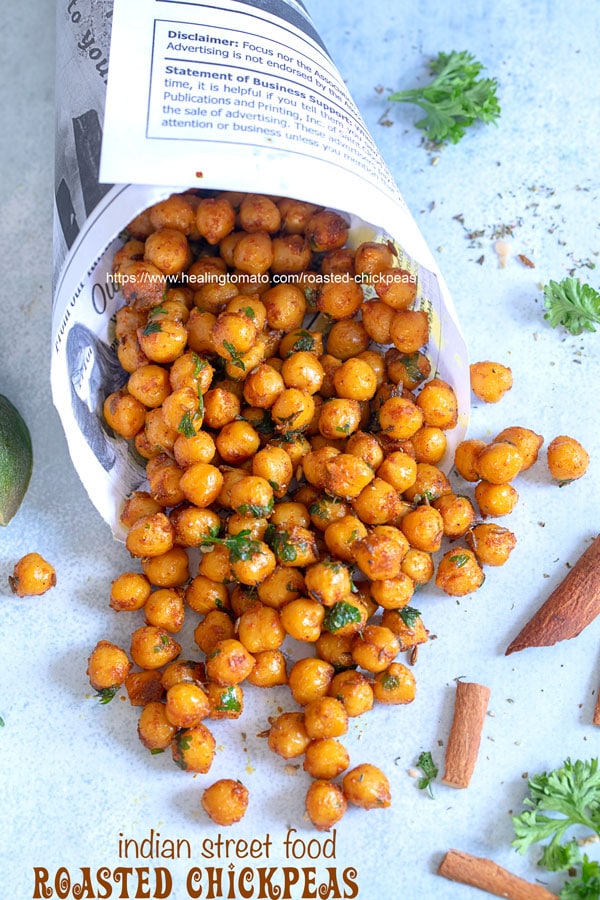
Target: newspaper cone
(239,97)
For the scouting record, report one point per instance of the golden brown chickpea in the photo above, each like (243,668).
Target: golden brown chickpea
(236,442)
(310,678)
(282,585)
(326,758)
(169,569)
(393,593)
(366,786)
(339,300)
(409,330)
(275,466)
(342,535)
(199,329)
(429,444)
(438,403)
(138,504)
(335,648)
(293,410)
(124,413)
(203,595)
(263,386)
(490,380)
(181,411)
(354,690)
(325,510)
(287,735)
(269,669)
(291,253)
(378,504)
(225,801)
(220,407)
(295,214)
(154,729)
(396,685)
(153,647)
(372,257)
(375,648)
(465,458)
(215,218)
(191,525)
(259,213)
(303,370)
(129,591)
(233,334)
(380,553)
(366,447)
(253,253)
(186,670)
(256,526)
(229,662)
(492,544)
(200,447)
(355,380)
(130,354)
(325,804)
(142,284)
(32,576)
(260,628)
(168,250)
(499,462)
(418,565)
(313,465)
(149,384)
(159,437)
(174,212)
(133,249)
(459,573)
(567,459)
(226,702)
(140,226)
(429,484)
(252,495)
(347,338)
(286,307)
(201,484)
(164,476)
(398,469)
(325,717)
(346,476)
(186,704)
(108,667)
(326,230)
(143,687)
(396,287)
(407,370)
(407,625)
(163,340)
(165,609)
(328,581)
(399,418)
(339,418)
(302,619)
(346,617)
(527,442)
(457,514)
(377,319)
(193,749)
(217,625)
(191,370)
(338,262)
(301,340)
(150,535)
(290,514)
(495,499)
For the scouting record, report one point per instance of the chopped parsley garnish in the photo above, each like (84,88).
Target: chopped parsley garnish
(186,424)
(429,769)
(278,540)
(305,341)
(459,559)
(341,614)
(253,509)
(240,545)
(409,615)
(151,327)
(235,356)
(228,701)
(105,695)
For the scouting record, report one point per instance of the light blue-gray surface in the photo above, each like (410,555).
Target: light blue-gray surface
(74,776)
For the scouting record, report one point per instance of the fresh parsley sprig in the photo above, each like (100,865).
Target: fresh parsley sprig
(571,304)
(430,771)
(241,546)
(455,99)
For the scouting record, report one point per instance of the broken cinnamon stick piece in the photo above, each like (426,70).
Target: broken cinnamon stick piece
(488,876)
(470,707)
(569,608)
(596,719)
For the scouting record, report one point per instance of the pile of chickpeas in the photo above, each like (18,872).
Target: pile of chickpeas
(303,462)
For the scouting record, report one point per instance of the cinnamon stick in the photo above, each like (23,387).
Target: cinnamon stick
(488,876)
(569,608)
(596,719)
(470,707)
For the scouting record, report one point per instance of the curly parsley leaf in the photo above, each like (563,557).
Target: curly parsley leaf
(240,545)
(585,888)
(571,304)
(341,614)
(430,771)
(455,99)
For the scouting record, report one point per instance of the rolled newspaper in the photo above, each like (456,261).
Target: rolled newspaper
(241,96)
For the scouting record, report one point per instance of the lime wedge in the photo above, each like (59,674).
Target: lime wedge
(16,460)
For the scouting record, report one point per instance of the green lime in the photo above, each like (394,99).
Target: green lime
(16,460)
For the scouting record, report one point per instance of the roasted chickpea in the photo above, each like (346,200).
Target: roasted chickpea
(286,307)
(287,735)
(399,418)
(303,370)
(375,648)
(495,499)
(378,503)
(150,535)
(567,459)
(225,801)
(187,670)
(138,504)
(335,648)
(409,330)
(199,329)
(215,218)
(459,573)
(325,717)
(527,442)
(407,370)
(326,758)
(438,403)
(129,591)
(328,581)
(396,287)
(325,804)
(269,669)
(342,535)
(201,484)
(168,250)
(310,678)
(465,458)
(159,437)
(154,729)
(174,212)
(418,565)
(282,585)
(346,617)
(169,569)
(130,353)
(165,609)
(366,447)
(346,475)
(142,284)
(377,319)
(193,749)
(302,619)
(491,544)
(124,413)
(347,338)
(220,407)
(191,525)
(490,380)
(295,214)
(163,340)
(253,253)
(233,334)
(396,685)
(354,690)
(186,704)
(260,628)
(144,687)
(263,386)
(398,469)
(380,553)
(429,444)
(499,462)
(407,626)
(291,253)
(326,230)
(429,484)
(153,647)
(108,667)
(149,384)
(275,466)
(226,702)
(393,593)
(339,417)
(457,514)
(339,300)
(229,662)
(217,625)
(367,786)
(293,410)
(32,576)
